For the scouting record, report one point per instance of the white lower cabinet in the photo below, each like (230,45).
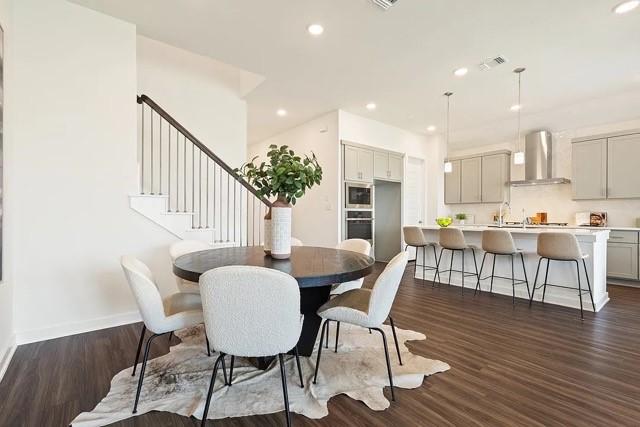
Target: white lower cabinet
(622,260)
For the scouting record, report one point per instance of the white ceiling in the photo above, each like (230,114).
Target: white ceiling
(583,62)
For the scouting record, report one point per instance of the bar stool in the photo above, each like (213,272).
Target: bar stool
(500,243)
(562,247)
(452,239)
(414,237)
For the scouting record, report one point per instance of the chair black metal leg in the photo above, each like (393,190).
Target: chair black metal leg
(546,275)
(283,374)
(524,270)
(579,290)
(210,392)
(475,262)
(478,288)
(337,335)
(208,345)
(326,343)
(233,360)
(144,330)
(436,275)
(170,336)
(535,282)
(386,354)
(315,375)
(586,274)
(513,282)
(295,352)
(142,369)
(395,339)
(493,270)
(224,370)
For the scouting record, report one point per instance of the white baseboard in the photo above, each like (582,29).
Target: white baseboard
(5,359)
(73,328)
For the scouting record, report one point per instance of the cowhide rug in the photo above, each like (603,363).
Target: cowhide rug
(178,381)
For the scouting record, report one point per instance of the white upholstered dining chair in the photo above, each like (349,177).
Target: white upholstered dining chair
(183,247)
(296,242)
(251,312)
(355,245)
(160,316)
(368,308)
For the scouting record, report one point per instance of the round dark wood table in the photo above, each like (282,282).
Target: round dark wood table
(315,269)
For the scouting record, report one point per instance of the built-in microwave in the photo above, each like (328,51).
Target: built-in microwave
(358,196)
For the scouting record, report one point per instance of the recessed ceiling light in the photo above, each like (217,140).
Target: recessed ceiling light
(460,72)
(371,106)
(315,29)
(516,107)
(626,6)
(431,128)
(281,112)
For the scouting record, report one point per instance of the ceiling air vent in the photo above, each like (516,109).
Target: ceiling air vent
(384,4)
(490,63)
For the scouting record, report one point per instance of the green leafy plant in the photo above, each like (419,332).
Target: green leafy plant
(286,175)
(461,216)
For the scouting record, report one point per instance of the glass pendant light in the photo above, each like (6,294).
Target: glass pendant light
(518,157)
(448,167)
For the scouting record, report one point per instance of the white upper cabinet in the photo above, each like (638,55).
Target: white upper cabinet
(589,169)
(358,164)
(495,177)
(395,167)
(452,183)
(622,167)
(471,180)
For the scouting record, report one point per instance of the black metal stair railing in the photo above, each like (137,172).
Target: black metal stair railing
(175,164)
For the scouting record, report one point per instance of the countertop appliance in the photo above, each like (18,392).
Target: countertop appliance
(538,160)
(359,225)
(358,195)
(591,219)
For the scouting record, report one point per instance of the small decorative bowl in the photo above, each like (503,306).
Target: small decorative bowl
(444,221)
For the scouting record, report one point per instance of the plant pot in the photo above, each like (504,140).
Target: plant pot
(461,221)
(267,232)
(281,229)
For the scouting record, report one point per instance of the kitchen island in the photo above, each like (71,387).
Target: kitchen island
(592,242)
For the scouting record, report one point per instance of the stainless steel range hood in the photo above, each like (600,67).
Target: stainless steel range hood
(538,161)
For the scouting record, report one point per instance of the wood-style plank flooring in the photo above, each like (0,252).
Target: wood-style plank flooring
(510,365)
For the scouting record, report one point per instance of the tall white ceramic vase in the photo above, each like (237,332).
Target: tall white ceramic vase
(281,229)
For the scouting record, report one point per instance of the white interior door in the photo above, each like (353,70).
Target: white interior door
(414,192)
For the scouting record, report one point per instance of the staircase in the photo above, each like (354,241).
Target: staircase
(188,190)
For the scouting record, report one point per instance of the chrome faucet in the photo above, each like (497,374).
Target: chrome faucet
(524,218)
(500,220)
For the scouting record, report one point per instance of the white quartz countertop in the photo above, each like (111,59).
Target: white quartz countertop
(530,229)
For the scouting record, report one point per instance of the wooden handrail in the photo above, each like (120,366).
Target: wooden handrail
(195,141)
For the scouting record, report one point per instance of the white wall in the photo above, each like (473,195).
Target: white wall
(555,199)
(73,164)
(7,337)
(316,215)
(204,95)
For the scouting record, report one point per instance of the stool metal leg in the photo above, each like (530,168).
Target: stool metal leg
(535,282)
(475,263)
(493,269)
(584,264)
(450,266)
(424,263)
(478,288)
(438,267)
(462,272)
(513,282)
(524,269)
(546,275)
(435,258)
(579,290)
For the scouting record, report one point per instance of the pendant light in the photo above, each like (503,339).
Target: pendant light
(518,157)
(448,167)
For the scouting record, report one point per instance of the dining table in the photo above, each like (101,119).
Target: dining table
(315,269)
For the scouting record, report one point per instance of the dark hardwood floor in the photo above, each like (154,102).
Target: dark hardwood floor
(509,366)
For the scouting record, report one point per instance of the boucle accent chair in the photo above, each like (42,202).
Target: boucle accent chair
(368,308)
(251,312)
(160,316)
(563,247)
(183,247)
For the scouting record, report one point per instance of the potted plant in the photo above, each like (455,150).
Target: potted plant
(286,176)
(461,218)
